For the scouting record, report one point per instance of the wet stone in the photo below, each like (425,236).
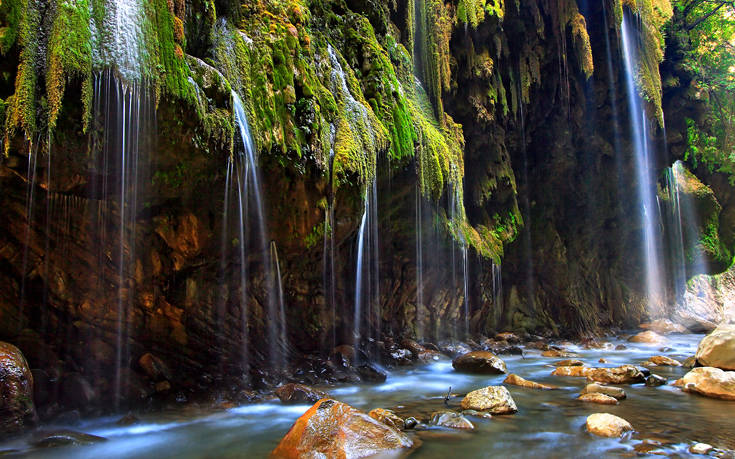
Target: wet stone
(451,420)
(655,381)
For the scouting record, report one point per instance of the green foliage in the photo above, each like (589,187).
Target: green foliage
(11,14)
(710,30)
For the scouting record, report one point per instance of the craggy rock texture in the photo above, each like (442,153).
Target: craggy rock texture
(512,149)
(333,429)
(16,391)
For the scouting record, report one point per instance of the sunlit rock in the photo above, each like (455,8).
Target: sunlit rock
(334,429)
(607,425)
(387,417)
(718,348)
(595,397)
(710,382)
(647,337)
(451,420)
(516,380)
(611,391)
(491,399)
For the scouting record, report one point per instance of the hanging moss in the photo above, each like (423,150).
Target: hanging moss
(69,56)
(653,15)
(21,110)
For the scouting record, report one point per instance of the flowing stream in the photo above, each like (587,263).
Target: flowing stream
(548,423)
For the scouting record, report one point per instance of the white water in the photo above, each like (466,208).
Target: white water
(367,309)
(646,184)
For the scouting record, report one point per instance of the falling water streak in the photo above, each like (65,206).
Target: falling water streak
(465,269)
(374,321)
(419,319)
(242,201)
(676,234)
(251,180)
(359,280)
(281,330)
(223,288)
(32,163)
(640,139)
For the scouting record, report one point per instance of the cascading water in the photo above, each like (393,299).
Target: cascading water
(367,313)
(127,110)
(420,314)
(641,150)
(248,188)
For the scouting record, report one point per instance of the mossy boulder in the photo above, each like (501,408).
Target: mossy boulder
(16,391)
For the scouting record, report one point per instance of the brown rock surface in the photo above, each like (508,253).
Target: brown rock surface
(718,348)
(596,397)
(710,382)
(298,393)
(16,391)
(483,362)
(607,425)
(516,380)
(491,399)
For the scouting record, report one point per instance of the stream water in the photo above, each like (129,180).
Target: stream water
(548,423)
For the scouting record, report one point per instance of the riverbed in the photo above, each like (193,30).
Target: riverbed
(548,423)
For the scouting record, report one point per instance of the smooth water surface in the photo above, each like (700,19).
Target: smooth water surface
(548,423)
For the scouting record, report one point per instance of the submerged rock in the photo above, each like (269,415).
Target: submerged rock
(664,361)
(596,397)
(615,392)
(569,363)
(663,327)
(718,348)
(16,391)
(298,393)
(516,380)
(63,438)
(576,371)
(557,353)
(387,417)
(334,429)
(451,420)
(477,414)
(655,381)
(647,337)
(483,362)
(607,425)
(710,382)
(491,399)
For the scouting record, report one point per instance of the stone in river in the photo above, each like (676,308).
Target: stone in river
(569,363)
(710,382)
(700,448)
(483,362)
(664,361)
(491,399)
(655,380)
(298,393)
(331,429)
(718,348)
(607,425)
(596,397)
(616,392)
(516,380)
(387,417)
(647,337)
(451,420)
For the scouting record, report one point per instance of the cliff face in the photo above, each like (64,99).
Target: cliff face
(475,130)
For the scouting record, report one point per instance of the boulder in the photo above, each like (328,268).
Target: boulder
(647,337)
(483,362)
(491,399)
(615,392)
(454,349)
(298,393)
(370,372)
(569,363)
(689,362)
(596,397)
(626,374)
(718,348)
(509,337)
(664,361)
(451,420)
(516,380)
(16,391)
(334,429)
(710,382)
(663,327)
(607,425)
(387,417)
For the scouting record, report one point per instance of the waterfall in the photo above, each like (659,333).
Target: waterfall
(642,153)
(249,193)
(419,318)
(125,110)
(367,312)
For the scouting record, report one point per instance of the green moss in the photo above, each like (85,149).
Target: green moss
(11,14)
(69,56)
